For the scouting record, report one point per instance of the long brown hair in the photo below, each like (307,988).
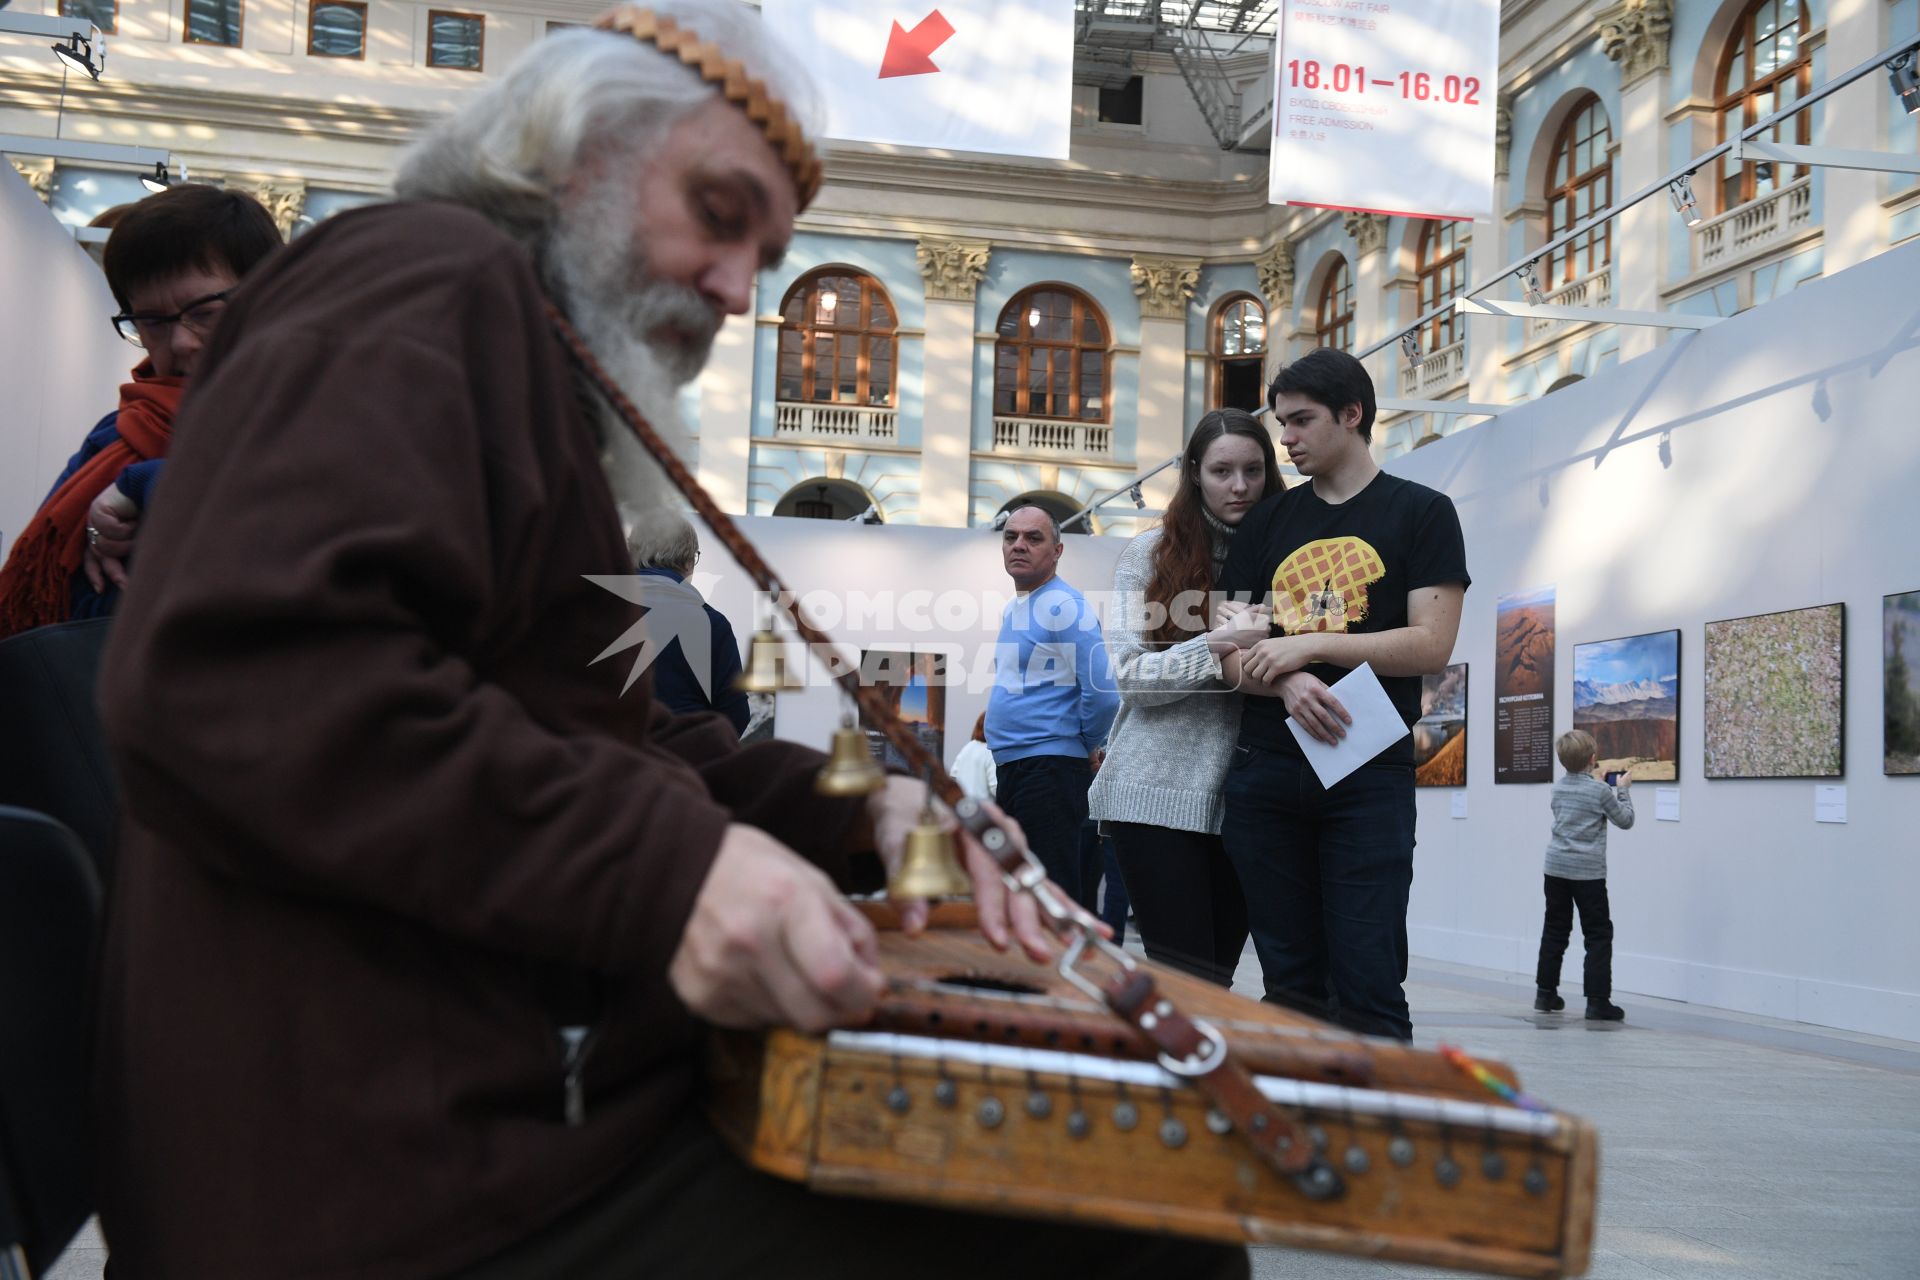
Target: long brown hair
(1183,558)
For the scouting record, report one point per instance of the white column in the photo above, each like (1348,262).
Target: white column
(726,413)
(1640,234)
(1163,367)
(1855,118)
(946,423)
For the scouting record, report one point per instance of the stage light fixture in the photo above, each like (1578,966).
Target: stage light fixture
(1906,86)
(76,51)
(1410,347)
(1681,191)
(1530,281)
(1139,500)
(157,181)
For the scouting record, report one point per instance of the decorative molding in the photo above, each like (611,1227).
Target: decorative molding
(284,201)
(39,176)
(1369,231)
(951,268)
(1636,34)
(1503,134)
(1275,269)
(1164,285)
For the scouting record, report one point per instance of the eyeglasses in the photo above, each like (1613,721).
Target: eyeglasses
(199,316)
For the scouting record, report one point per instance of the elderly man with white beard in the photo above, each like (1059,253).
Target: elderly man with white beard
(418,925)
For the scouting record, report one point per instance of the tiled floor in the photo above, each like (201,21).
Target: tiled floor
(1732,1147)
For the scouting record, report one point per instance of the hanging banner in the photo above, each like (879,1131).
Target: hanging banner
(1386,106)
(967,75)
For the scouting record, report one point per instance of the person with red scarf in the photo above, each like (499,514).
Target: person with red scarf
(171,261)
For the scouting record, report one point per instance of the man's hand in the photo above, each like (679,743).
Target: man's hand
(1004,917)
(1309,702)
(1227,610)
(117,517)
(1270,659)
(772,943)
(1242,629)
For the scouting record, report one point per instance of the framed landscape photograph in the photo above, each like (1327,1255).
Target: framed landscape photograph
(1776,695)
(1440,734)
(916,685)
(1626,693)
(1523,687)
(1901,631)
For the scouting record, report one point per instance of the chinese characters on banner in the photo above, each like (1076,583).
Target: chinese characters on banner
(1386,106)
(1523,688)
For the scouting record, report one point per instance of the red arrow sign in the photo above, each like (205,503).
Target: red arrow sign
(908,51)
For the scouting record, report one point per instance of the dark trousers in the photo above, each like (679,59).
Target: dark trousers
(1115,905)
(1326,874)
(696,1211)
(1186,898)
(1596,928)
(1047,796)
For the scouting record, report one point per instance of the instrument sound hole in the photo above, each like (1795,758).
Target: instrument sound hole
(987,982)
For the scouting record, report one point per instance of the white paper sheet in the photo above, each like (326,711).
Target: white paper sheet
(1376,726)
(1459,804)
(1829,804)
(1666,804)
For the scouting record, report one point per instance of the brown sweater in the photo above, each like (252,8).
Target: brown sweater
(387,829)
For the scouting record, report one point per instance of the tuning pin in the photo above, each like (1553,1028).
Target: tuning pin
(849,770)
(930,867)
(767,670)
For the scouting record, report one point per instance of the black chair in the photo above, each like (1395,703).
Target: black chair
(53,756)
(49,913)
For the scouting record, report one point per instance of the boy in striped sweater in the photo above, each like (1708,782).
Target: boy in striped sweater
(1577,875)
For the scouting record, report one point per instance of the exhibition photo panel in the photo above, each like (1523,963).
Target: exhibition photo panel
(1776,695)
(1900,615)
(1626,693)
(1523,687)
(915,685)
(1440,734)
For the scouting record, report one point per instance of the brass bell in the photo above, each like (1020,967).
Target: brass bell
(850,769)
(930,867)
(767,670)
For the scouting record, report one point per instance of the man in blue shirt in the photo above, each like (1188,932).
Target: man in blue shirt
(667,547)
(1052,702)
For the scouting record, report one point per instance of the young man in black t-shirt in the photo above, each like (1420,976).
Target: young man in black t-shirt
(1356,566)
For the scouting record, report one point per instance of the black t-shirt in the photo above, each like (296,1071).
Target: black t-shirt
(1343,568)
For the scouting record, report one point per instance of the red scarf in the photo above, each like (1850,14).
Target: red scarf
(36,584)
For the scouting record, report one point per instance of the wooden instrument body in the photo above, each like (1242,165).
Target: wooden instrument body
(991,1084)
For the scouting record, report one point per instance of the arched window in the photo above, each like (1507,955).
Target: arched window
(1443,274)
(1333,320)
(1051,360)
(1238,344)
(1579,185)
(836,340)
(1766,66)
(1056,504)
(824,499)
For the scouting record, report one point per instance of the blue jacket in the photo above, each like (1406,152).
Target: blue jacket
(1054,692)
(136,480)
(673,679)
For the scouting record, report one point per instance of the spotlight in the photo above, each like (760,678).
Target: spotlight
(1906,87)
(1410,347)
(1763,171)
(1530,281)
(76,51)
(1138,499)
(1681,190)
(157,181)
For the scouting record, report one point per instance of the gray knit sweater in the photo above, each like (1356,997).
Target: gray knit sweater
(1582,807)
(1168,750)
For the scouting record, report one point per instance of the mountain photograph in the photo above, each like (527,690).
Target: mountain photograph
(1626,693)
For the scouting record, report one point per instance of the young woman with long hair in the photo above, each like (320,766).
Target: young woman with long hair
(1159,792)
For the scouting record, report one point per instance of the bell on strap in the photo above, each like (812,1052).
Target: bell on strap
(850,769)
(930,866)
(767,670)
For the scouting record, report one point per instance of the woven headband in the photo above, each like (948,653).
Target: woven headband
(736,86)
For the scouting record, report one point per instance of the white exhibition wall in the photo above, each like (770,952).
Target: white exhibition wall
(1771,462)
(61,364)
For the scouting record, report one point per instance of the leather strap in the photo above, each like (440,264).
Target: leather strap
(1135,996)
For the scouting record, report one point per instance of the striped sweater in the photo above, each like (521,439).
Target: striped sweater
(1582,807)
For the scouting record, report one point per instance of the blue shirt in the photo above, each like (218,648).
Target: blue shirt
(1054,692)
(673,678)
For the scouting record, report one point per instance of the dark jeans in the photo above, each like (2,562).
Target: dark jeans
(1047,796)
(1186,898)
(693,1209)
(1596,928)
(1115,905)
(1326,874)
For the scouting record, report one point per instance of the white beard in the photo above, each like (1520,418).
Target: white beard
(651,337)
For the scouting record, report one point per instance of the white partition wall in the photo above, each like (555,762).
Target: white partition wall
(1770,463)
(60,364)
